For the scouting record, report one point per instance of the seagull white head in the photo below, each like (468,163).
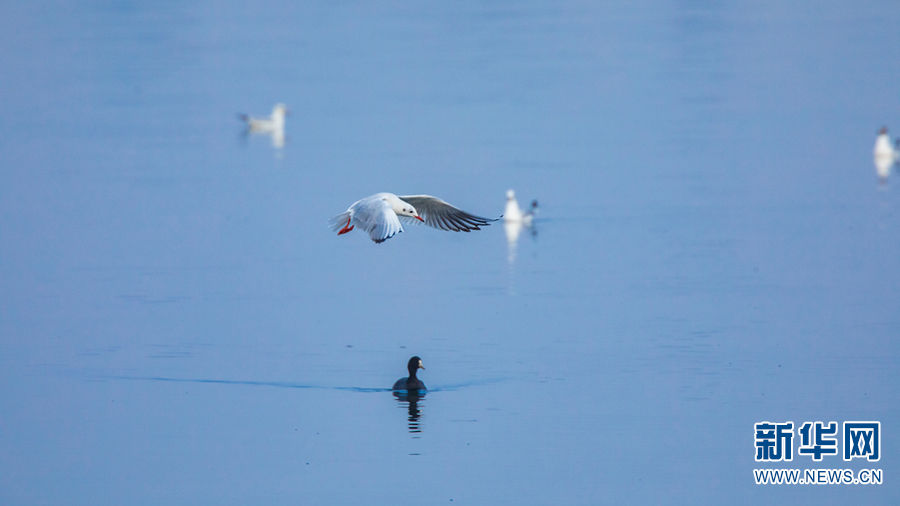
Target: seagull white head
(278,113)
(510,194)
(402,208)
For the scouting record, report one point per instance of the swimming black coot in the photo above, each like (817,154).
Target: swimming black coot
(411,382)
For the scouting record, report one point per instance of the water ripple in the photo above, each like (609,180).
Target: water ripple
(287,384)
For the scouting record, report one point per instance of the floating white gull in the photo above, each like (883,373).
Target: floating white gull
(274,123)
(514,214)
(884,154)
(379,215)
(514,219)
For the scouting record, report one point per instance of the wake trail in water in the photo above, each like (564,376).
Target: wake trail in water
(286,384)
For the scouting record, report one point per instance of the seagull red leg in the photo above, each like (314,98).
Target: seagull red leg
(346,228)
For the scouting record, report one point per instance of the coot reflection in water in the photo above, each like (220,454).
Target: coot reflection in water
(410,390)
(410,400)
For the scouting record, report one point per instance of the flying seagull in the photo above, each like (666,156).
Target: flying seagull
(380,215)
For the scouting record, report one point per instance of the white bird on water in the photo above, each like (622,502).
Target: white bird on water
(380,215)
(514,219)
(274,123)
(514,214)
(884,154)
(272,126)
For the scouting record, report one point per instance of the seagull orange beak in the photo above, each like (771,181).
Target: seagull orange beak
(419,218)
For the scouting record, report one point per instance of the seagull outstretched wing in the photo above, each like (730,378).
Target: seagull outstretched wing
(439,214)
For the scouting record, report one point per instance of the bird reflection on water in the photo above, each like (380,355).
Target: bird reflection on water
(410,390)
(514,220)
(885,155)
(411,401)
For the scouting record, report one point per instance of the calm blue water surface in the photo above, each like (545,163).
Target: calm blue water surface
(178,325)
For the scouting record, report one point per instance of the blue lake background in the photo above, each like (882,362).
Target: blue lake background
(178,325)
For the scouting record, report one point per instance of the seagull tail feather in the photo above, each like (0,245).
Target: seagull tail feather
(338,222)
